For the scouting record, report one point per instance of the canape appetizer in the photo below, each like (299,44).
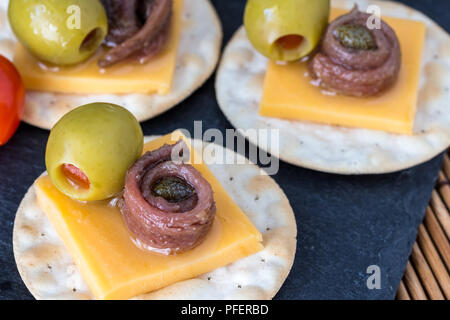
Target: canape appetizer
(114,218)
(351,91)
(147,55)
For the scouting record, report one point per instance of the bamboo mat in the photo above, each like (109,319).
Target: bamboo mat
(427,272)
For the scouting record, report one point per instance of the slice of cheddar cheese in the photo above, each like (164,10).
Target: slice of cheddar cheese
(125,77)
(114,268)
(288,93)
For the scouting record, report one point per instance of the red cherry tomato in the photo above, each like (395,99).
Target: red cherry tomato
(12,99)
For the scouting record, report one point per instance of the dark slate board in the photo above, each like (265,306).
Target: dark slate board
(345,223)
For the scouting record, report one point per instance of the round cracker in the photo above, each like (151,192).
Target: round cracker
(49,272)
(198,54)
(338,149)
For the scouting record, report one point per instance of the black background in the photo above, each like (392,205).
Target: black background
(345,223)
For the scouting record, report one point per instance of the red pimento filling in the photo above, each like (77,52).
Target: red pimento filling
(75,176)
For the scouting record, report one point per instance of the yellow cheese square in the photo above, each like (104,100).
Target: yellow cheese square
(110,263)
(289,94)
(126,77)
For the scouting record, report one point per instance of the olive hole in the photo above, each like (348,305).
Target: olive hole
(290,42)
(75,177)
(91,40)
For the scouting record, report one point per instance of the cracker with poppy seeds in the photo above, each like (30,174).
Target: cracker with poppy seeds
(198,53)
(337,148)
(49,271)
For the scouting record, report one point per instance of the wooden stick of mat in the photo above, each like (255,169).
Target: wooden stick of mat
(402,293)
(413,284)
(425,274)
(446,166)
(444,188)
(441,212)
(434,260)
(438,236)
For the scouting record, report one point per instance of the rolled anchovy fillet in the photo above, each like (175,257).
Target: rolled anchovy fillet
(123,22)
(357,72)
(160,225)
(154,47)
(147,41)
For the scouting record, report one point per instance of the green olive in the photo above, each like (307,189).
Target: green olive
(90,150)
(61,32)
(173,189)
(286,30)
(355,37)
